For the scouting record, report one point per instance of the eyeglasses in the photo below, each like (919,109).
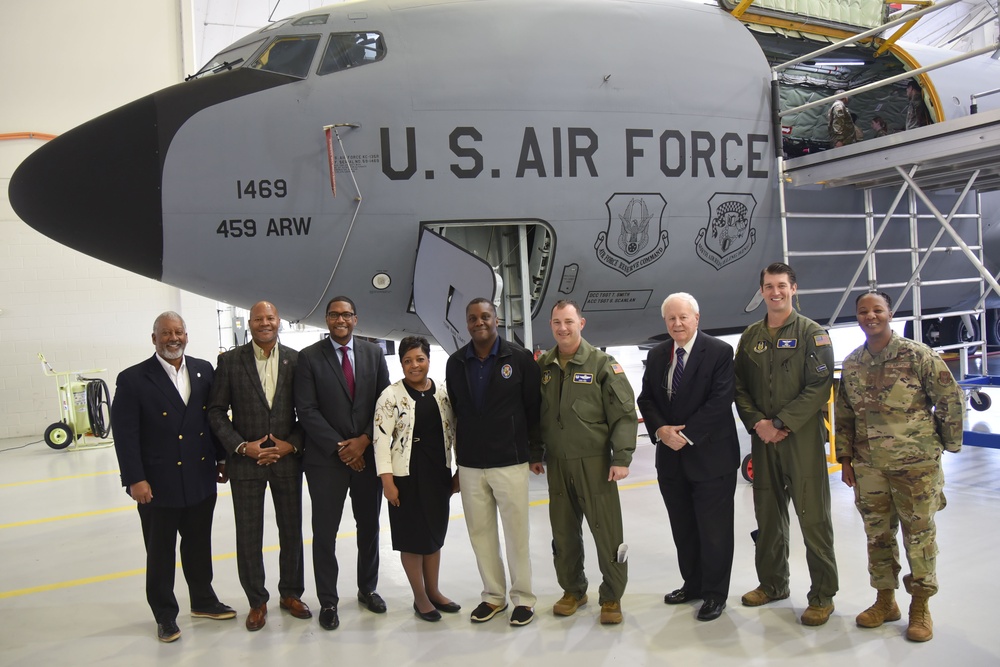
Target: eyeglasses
(339,316)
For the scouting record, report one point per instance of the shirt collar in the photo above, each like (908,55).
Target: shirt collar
(258,351)
(169,367)
(688,345)
(349,344)
(470,351)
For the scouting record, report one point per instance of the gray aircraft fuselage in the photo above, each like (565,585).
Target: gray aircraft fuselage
(634,138)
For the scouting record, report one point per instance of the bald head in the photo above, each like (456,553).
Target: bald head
(264,324)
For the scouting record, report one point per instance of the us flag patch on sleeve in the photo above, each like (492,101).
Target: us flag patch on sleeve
(617,368)
(822,339)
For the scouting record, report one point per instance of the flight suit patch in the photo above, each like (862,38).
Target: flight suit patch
(583,378)
(761,346)
(617,368)
(506,371)
(822,339)
(787,343)
(546,377)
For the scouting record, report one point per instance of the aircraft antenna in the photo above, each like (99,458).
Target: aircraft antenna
(357,201)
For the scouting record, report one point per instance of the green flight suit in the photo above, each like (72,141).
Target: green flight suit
(789,377)
(588,424)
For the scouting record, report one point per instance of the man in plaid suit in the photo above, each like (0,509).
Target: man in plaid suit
(264,442)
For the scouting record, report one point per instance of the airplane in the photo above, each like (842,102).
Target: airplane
(415,154)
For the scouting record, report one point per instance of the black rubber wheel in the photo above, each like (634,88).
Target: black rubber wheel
(993,326)
(747,468)
(954,330)
(980,401)
(59,435)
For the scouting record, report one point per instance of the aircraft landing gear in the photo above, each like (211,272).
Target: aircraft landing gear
(946,331)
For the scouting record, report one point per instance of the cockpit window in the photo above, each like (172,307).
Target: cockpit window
(274,26)
(229,59)
(288,55)
(351,49)
(315,19)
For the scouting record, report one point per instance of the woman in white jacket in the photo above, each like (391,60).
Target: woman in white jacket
(414,439)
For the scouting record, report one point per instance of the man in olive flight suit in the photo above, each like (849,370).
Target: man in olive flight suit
(784,368)
(589,431)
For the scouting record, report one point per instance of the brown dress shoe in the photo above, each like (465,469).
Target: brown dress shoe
(257,617)
(296,607)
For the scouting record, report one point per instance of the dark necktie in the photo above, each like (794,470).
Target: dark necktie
(678,372)
(349,371)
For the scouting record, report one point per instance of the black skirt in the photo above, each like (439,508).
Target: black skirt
(420,522)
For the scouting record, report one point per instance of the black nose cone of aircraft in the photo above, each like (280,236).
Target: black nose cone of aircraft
(96,188)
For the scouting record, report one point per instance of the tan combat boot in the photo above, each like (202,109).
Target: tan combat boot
(884,609)
(921,628)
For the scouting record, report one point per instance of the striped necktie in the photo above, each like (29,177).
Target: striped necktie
(678,372)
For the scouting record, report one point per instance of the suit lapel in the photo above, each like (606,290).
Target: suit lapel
(690,369)
(160,379)
(283,379)
(250,367)
(333,358)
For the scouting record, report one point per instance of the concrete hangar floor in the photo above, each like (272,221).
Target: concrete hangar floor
(71,585)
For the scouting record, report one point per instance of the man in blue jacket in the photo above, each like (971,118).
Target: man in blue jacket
(494,389)
(168,459)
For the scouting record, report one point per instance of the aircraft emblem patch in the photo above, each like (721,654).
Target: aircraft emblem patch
(729,234)
(787,343)
(506,371)
(583,378)
(631,220)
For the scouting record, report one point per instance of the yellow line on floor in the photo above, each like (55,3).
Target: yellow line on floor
(79,515)
(58,479)
(72,583)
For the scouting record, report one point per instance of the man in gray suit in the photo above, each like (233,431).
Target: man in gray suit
(264,443)
(336,385)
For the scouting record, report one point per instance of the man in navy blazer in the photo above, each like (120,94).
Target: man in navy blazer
(264,444)
(337,383)
(687,405)
(170,463)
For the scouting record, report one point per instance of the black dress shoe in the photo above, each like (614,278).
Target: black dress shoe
(433,615)
(447,607)
(328,619)
(680,596)
(711,610)
(168,631)
(216,611)
(373,601)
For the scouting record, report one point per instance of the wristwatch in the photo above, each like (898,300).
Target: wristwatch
(777,423)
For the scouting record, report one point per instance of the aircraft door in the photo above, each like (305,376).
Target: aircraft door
(445,278)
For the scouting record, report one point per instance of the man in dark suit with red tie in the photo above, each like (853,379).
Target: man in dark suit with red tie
(687,406)
(264,444)
(170,463)
(337,383)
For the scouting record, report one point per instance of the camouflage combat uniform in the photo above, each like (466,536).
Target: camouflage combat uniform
(788,376)
(841,125)
(895,412)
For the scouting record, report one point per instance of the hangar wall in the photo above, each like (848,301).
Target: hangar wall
(66,62)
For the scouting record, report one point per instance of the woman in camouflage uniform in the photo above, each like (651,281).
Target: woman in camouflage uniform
(898,407)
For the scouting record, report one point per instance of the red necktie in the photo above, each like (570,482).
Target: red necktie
(348,371)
